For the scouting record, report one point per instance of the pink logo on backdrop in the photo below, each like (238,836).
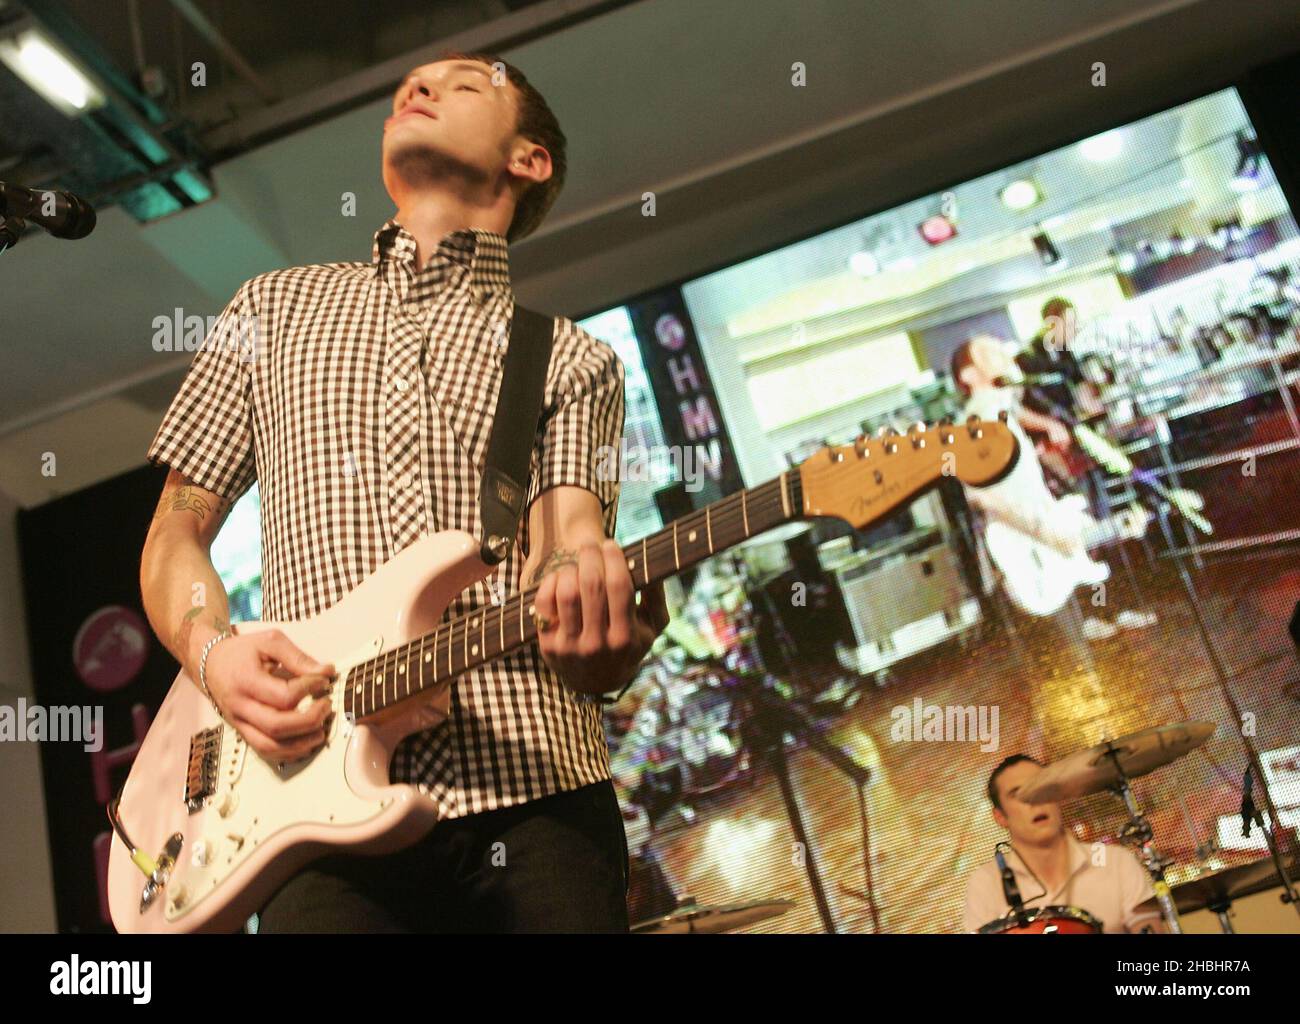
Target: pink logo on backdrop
(670,332)
(110,648)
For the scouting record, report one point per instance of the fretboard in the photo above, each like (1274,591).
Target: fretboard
(470,640)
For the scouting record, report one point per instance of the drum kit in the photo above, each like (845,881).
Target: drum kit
(1109,766)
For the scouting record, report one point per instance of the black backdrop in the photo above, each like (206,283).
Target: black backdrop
(79,554)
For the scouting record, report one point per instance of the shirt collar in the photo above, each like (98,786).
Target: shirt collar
(1080,856)
(478,256)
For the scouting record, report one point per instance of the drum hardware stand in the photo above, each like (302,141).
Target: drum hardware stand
(1225,688)
(1137,832)
(770,720)
(767,721)
(1220,909)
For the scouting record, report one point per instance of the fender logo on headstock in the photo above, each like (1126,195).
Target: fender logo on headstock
(863,502)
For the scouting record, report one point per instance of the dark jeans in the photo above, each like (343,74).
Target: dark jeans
(558,864)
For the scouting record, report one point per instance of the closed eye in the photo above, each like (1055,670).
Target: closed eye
(469,87)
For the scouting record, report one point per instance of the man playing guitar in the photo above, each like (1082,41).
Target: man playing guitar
(1021,504)
(364,417)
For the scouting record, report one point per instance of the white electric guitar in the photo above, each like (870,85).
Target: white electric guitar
(206,830)
(1039,576)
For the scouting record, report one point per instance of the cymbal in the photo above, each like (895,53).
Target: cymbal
(1218,888)
(699,919)
(1092,770)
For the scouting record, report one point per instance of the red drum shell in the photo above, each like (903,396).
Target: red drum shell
(1047,921)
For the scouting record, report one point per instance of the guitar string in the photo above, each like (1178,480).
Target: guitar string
(722,515)
(722,512)
(787,486)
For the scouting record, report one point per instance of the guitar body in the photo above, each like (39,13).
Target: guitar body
(260,824)
(1038,578)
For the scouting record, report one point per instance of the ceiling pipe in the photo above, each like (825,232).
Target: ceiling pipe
(501,35)
(200,23)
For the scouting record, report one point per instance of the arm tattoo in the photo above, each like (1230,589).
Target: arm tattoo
(557,558)
(186,628)
(187,499)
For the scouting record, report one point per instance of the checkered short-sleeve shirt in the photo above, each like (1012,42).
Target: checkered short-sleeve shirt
(360,397)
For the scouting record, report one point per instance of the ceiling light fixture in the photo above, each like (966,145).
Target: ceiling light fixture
(1020,195)
(48,69)
(1103,147)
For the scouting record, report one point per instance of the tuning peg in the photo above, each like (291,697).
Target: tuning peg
(835,454)
(973,427)
(860,446)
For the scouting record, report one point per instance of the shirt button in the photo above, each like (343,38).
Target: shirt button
(404,481)
(400,384)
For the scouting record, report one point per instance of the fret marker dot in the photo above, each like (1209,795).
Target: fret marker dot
(474,624)
(691,537)
(532,609)
(473,649)
(401,669)
(631,563)
(428,657)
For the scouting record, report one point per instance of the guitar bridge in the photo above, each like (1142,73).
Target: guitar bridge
(202,774)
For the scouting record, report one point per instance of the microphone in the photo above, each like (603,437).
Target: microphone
(1029,378)
(62,214)
(1010,891)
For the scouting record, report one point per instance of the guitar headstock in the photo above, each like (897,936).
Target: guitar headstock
(863,481)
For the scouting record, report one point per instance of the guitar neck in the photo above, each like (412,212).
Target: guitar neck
(484,634)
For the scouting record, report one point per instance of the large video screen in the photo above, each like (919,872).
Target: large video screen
(819,723)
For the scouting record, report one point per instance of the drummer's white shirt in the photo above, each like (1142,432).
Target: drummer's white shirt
(1105,879)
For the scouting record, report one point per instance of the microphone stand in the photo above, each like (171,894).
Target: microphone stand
(768,720)
(765,728)
(1193,601)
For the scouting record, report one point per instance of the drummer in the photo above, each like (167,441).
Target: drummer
(1052,868)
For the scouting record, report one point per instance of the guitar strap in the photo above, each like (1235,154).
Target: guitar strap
(514,431)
